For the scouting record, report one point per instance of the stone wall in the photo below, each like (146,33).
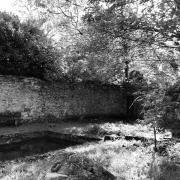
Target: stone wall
(32,99)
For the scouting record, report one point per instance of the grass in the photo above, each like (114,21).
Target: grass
(120,157)
(127,160)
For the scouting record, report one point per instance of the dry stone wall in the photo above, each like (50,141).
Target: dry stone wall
(30,99)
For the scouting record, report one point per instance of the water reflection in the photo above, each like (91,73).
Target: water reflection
(32,147)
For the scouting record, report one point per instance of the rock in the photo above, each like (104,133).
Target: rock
(52,125)
(109,138)
(136,145)
(80,167)
(167,135)
(56,167)
(55,176)
(137,138)
(112,137)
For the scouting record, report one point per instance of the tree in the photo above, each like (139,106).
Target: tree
(112,32)
(25,51)
(130,27)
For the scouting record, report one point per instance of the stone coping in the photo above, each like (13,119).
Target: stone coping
(20,137)
(62,127)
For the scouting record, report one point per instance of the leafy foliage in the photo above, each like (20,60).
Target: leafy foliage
(106,40)
(24,49)
(98,39)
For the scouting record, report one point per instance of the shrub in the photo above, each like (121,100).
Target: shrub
(24,49)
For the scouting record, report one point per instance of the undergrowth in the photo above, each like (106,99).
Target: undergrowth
(130,160)
(127,160)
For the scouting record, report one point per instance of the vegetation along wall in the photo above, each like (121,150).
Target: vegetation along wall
(171,104)
(30,99)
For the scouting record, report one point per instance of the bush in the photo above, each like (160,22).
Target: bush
(165,170)
(24,49)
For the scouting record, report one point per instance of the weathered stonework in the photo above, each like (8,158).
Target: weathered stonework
(32,100)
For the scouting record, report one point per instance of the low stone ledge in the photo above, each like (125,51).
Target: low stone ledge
(114,137)
(55,176)
(20,137)
(72,137)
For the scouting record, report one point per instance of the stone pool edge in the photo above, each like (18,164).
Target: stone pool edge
(7,139)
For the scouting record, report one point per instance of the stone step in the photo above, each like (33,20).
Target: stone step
(56,176)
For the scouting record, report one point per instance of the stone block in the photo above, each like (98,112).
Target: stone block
(55,176)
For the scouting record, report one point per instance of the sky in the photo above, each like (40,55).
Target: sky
(6,5)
